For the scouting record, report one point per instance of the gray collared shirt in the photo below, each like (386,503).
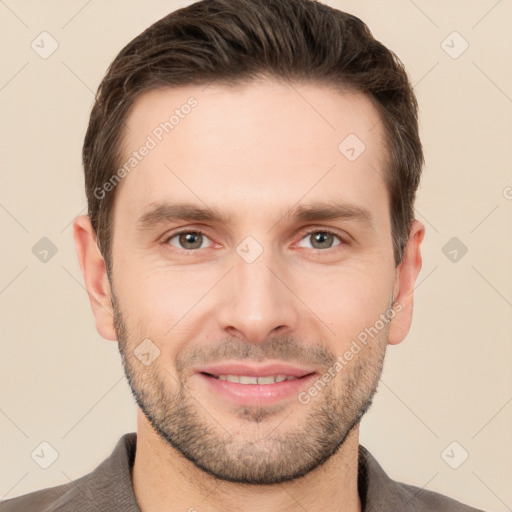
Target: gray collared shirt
(108,488)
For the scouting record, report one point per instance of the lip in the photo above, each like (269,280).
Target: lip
(253,370)
(255,394)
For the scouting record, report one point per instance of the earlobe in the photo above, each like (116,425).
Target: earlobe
(405,281)
(96,280)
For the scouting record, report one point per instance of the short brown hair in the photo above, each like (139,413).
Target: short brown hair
(235,41)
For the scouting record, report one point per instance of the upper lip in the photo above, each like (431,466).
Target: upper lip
(255,370)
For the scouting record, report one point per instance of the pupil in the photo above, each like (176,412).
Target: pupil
(191,238)
(188,238)
(321,237)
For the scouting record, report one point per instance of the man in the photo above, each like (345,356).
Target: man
(251,168)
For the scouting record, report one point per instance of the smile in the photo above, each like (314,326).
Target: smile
(250,379)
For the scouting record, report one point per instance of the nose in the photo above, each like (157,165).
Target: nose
(258,301)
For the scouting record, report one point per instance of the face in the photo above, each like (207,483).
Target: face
(252,249)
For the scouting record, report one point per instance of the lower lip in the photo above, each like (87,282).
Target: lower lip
(256,394)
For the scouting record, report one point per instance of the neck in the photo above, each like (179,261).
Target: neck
(164,480)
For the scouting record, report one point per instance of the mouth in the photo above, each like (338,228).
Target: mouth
(247,385)
(252,379)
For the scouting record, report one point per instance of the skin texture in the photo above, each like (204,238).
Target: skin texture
(251,153)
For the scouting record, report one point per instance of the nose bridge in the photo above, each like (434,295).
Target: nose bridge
(256,301)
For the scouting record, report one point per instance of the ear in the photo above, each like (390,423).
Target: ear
(95,275)
(405,279)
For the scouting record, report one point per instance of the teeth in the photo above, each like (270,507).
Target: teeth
(249,379)
(266,380)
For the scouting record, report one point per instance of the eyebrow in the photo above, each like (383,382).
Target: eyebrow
(161,213)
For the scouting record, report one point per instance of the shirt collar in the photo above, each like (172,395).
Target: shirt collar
(378,492)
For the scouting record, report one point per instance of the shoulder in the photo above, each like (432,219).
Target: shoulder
(62,497)
(429,500)
(379,493)
(108,487)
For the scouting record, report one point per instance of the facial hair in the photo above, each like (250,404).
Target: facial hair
(285,453)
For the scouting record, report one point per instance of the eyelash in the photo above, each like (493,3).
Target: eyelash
(308,233)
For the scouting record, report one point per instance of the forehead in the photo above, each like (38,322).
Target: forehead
(261,145)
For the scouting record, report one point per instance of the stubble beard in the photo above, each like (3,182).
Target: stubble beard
(306,437)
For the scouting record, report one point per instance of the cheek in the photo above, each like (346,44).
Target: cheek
(347,299)
(157,302)
(147,285)
(165,302)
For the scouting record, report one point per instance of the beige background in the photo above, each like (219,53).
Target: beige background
(449,381)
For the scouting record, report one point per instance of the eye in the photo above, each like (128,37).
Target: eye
(188,240)
(322,239)
(192,240)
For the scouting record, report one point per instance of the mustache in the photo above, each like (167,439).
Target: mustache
(284,348)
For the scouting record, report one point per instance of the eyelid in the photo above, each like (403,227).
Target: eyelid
(332,231)
(174,234)
(315,229)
